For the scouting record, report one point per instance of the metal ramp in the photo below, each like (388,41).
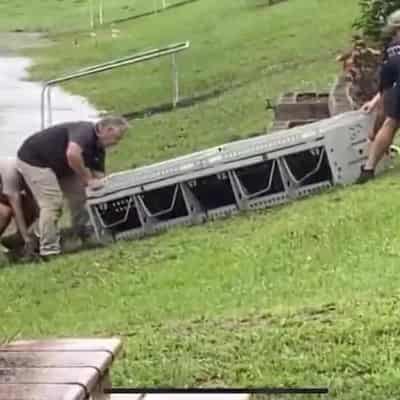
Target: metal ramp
(248,174)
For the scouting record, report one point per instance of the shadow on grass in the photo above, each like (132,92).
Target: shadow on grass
(168,107)
(184,102)
(70,244)
(263,71)
(268,3)
(149,13)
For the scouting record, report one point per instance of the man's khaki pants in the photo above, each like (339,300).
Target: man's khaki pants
(48,191)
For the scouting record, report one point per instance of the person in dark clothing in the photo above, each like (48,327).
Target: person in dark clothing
(389,96)
(64,160)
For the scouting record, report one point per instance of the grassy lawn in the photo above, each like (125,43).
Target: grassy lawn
(306,294)
(249,52)
(67,15)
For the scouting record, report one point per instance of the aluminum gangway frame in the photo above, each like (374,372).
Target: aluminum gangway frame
(249,174)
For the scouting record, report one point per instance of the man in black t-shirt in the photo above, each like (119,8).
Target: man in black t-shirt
(63,160)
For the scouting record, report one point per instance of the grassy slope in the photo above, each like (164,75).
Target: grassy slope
(305,295)
(257,51)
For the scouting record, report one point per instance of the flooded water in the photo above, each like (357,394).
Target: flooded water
(20,102)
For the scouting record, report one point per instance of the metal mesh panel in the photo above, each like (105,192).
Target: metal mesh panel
(248,174)
(213,191)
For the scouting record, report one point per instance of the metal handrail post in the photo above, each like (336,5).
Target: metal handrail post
(175,82)
(91,14)
(43,105)
(178,47)
(101,10)
(77,75)
(49,116)
(139,57)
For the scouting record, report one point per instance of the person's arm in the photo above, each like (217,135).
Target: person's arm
(98,174)
(77,164)
(98,165)
(371,105)
(81,139)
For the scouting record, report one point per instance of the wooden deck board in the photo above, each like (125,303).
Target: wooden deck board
(68,345)
(52,359)
(41,392)
(66,369)
(85,377)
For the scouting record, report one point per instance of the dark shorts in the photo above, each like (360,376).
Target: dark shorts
(391,103)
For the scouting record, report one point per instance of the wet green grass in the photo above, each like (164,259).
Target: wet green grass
(305,295)
(247,52)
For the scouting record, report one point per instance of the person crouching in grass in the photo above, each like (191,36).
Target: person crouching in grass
(16,203)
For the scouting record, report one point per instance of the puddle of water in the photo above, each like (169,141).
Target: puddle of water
(20,105)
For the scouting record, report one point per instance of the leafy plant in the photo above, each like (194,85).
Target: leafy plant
(373,16)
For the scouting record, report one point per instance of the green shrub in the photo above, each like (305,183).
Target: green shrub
(373,16)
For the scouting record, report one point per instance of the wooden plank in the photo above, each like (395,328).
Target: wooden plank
(52,359)
(88,378)
(41,392)
(112,345)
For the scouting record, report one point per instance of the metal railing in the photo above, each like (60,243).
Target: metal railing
(120,62)
(100,7)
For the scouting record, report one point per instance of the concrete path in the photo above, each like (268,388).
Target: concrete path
(20,104)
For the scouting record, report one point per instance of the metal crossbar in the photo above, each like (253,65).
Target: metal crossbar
(270,180)
(120,62)
(122,220)
(309,174)
(162,212)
